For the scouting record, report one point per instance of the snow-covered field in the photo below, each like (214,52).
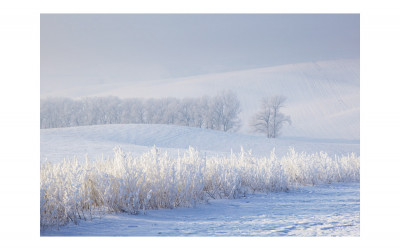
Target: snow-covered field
(59,143)
(323,100)
(330,210)
(326,210)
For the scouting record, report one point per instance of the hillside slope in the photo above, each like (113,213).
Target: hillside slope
(323,97)
(59,143)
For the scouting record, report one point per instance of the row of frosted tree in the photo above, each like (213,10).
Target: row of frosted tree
(219,112)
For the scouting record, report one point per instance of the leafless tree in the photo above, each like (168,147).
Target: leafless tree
(269,120)
(231,109)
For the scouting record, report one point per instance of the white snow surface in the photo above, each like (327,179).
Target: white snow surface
(326,210)
(323,98)
(96,141)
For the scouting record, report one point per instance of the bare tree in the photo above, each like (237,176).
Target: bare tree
(185,113)
(231,109)
(225,108)
(200,110)
(261,121)
(269,120)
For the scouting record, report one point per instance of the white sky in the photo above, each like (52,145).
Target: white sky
(86,49)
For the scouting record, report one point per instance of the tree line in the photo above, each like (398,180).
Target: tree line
(219,112)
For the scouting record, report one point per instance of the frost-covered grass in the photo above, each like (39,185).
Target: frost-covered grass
(72,190)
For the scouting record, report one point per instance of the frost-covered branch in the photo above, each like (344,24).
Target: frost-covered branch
(219,112)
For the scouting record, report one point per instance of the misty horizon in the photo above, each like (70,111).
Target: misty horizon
(81,50)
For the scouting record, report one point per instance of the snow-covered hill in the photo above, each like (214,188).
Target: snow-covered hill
(324,103)
(58,143)
(323,98)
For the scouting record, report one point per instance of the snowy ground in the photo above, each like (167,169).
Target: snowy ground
(323,98)
(327,210)
(59,143)
(323,102)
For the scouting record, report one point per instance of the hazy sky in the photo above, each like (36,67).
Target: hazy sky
(77,50)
